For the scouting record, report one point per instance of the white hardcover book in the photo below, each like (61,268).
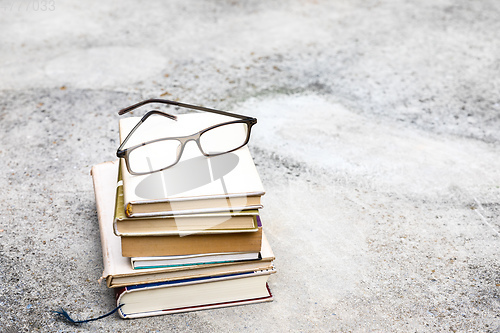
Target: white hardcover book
(196,183)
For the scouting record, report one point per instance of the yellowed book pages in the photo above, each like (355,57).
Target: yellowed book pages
(152,246)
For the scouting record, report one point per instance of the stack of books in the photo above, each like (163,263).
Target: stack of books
(186,238)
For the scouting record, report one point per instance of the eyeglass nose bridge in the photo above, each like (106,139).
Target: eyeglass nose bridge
(184,140)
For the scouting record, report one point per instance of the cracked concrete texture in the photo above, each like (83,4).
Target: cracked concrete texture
(377,143)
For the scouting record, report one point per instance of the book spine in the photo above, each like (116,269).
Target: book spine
(97,174)
(119,292)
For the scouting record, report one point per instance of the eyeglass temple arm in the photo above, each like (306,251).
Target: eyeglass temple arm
(195,107)
(120,152)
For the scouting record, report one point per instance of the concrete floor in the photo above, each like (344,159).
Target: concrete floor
(377,143)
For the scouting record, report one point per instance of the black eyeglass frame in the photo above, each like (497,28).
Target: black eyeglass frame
(124,153)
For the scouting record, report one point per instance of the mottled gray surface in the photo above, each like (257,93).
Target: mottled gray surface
(377,142)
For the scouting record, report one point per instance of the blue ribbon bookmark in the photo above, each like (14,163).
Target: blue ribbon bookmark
(66,316)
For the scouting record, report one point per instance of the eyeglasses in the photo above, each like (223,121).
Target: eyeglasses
(160,154)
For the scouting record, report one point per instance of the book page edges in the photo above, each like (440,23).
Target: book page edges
(182,231)
(151,246)
(197,308)
(147,213)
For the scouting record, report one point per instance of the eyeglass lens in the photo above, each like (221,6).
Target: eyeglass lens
(165,153)
(222,139)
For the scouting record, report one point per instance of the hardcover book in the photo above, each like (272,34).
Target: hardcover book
(193,259)
(152,246)
(194,294)
(202,223)
(196,184)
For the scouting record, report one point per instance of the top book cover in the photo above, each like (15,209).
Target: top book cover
(196,184)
